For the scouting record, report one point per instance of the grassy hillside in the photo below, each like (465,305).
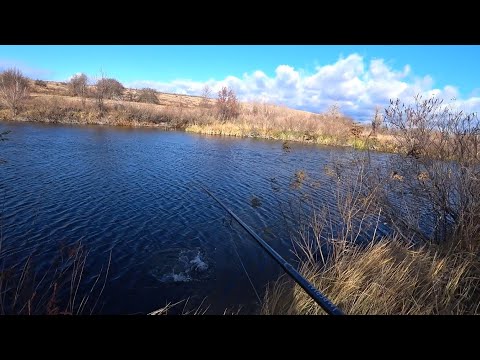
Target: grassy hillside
(53,102)
(129,95)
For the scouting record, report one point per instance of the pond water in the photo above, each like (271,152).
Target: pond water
(135,194)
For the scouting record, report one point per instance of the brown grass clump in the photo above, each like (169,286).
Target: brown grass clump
(385,277)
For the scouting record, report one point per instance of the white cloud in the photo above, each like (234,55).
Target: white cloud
(354,84)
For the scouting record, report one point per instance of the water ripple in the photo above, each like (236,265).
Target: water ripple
(134,193)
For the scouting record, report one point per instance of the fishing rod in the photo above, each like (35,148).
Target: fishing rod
(316,295)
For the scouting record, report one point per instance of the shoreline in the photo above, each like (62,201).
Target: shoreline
(162,126)
(53,103)
(360,144)
(356,144)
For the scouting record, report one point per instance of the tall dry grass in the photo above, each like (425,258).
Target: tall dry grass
(71,110)
(57,289)
(348,254)
(200,309)
(387,277)
(281,123)
(276,122)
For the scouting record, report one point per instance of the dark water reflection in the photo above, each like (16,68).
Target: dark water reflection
(134,193)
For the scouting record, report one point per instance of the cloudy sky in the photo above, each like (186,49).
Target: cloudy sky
(356,78)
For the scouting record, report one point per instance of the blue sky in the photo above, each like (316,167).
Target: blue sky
(357,78)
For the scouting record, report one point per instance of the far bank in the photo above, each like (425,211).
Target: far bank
(253,120)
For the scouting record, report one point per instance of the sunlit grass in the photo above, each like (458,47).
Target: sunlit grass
(385,277)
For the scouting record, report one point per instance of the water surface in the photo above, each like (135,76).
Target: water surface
(134,193)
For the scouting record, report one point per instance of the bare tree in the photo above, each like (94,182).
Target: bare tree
(228,106)
(376,121)
(206,96)
(100,92)
(333,111)
(14,89)
(78,86)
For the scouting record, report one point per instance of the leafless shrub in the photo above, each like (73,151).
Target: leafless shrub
(228,106)
(14,89)
(77,85)
(334,111)
(148,95)
(206,97)
(440,166)
(110,88)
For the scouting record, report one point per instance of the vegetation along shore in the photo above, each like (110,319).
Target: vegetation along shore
(108,102)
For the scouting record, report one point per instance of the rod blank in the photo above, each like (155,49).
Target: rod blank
(316,295)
